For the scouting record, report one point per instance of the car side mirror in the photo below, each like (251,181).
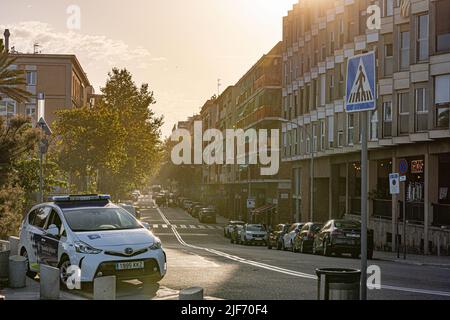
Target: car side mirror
(53,230)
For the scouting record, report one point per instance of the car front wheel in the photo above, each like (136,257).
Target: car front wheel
(30,273)
(63,270)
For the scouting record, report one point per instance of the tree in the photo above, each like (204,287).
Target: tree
(11,78)
(117,142)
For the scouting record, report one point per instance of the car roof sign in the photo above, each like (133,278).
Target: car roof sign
(75,198)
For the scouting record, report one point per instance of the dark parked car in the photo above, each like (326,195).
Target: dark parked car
(196,209)
(342,236)
(190,210)
(228,229)
(161,200)
(304,239)
(275,236)
(207,215)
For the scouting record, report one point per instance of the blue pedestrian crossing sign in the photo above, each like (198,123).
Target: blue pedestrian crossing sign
(361,83)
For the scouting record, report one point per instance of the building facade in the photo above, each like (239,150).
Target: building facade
(411,121)
(60,77)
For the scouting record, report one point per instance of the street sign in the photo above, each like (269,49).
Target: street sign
(394,183)
(403,166)
(251,203)
(361,83)
(402,178)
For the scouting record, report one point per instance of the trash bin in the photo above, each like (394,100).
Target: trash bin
(340,284)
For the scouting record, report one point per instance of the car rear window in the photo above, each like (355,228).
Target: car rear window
(346,224)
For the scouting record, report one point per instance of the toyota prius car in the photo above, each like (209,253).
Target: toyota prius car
(93,234)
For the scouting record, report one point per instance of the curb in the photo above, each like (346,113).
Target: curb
(416,263)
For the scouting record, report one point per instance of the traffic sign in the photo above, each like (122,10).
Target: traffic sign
(251,203)
(402,178)
(361,83)
(403,166)
(394,183)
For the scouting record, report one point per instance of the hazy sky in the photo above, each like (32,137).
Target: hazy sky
(179,47)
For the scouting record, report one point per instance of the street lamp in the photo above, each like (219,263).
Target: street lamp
(43,143)
(309,134)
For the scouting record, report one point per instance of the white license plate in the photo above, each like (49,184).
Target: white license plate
(352,235)
(130,265)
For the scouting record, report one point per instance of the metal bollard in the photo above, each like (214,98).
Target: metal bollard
(4,263)
(49,282)
(17,271)
(105,288)
(4,245)
(194,293)
(340,284)
(14,245)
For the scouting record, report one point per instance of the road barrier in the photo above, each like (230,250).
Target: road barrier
(194,293)
(14,245)
(17,271)
(340,284)
(105,288)
(49,282)
(4,263)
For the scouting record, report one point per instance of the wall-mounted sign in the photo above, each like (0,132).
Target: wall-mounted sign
(417,166)
(403,166)
(394,183)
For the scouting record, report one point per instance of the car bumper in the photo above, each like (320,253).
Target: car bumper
(94,265)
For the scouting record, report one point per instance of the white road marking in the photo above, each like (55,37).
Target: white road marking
(164,226)
(183,226)
(192,227)
(201,227)
(287,271)
(155,226)
(210,227)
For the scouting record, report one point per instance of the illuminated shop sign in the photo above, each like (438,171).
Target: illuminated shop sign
(417,166)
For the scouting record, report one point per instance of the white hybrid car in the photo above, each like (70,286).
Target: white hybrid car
(93,234)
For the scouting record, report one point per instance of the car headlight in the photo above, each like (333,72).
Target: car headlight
(156,245)
(82,247)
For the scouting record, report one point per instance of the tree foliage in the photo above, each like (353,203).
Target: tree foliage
(117,141)
(11,78)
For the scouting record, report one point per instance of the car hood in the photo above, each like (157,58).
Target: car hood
(256,232)
(117,238)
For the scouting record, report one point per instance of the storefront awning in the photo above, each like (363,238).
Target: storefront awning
(264,209)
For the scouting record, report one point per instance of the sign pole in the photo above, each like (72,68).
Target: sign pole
(364,198)
(404,221)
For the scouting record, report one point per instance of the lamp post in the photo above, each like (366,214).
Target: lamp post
(310,136)
(43,143)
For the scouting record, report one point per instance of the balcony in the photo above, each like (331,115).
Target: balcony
(258,115)
(268,80)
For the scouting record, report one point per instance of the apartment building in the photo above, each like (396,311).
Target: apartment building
(411,120)
(60,77)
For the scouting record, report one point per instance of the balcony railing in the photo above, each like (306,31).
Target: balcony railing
(415,212)
(382,208)
(259,114)
(441,215)
(268,80)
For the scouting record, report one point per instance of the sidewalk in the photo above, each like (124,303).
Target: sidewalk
(413,259)
(31,292)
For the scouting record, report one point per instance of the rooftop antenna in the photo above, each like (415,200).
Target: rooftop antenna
(219,84)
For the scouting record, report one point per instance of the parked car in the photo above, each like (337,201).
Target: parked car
(131,209)
(145,202)
(342,236)
(186,204)
(196,209)
(304,240)
(253,234)
(275,237)
(192,206)
(161,200)
(207,215)
(89,231)
(228,229)
(288,238)
(235,235)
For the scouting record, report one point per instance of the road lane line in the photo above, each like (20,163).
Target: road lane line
(192,227)
(287,271)
(201,227)
(164,226)
(155,226)
(183,226)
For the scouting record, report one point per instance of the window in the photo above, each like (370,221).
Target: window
(442,25)
(308,145)
(330,120)
(404,50)
(421,107)
(388,54)
(284,144)
(322,134)
(387,119)
(422,37)
(31,78)
(301,140)
(442,99)
(388,8)
(7,108)
(350,128)
(41,217)
(374,125)
(388,51)
(403,112)
(331,43)
(30,109)
(331,88)
(315,140)
(340,138)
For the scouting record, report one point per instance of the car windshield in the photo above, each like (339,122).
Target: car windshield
(347,224)
(316,227)
(100,219)
(255,228)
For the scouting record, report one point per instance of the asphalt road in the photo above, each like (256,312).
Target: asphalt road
(199,255)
